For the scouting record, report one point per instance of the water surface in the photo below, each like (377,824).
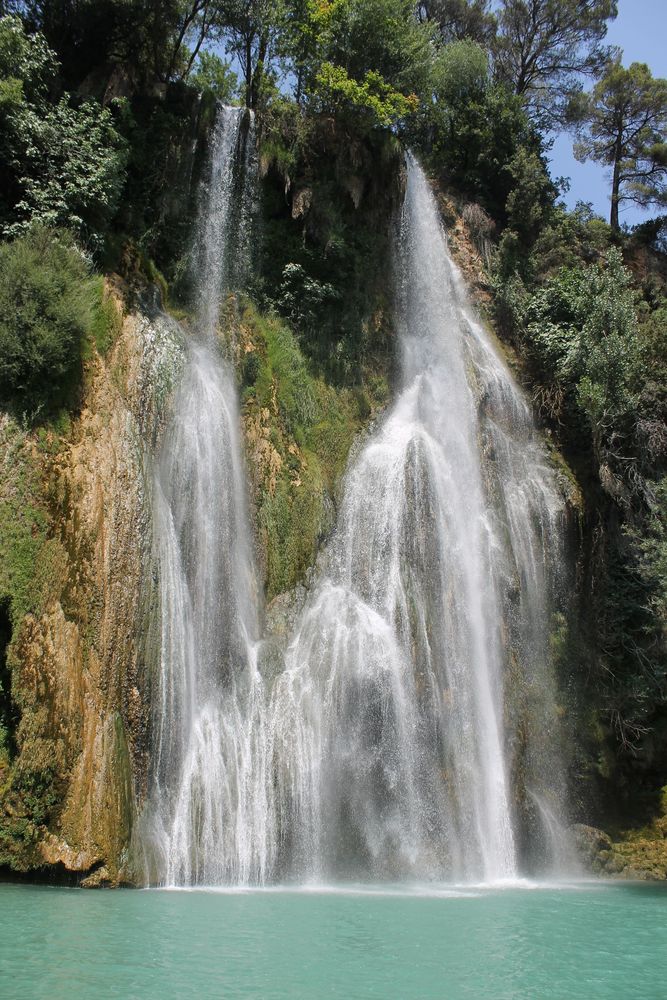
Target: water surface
(589,942)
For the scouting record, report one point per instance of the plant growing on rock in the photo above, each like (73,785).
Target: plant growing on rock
(44,314)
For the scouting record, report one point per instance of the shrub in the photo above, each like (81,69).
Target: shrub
(61,164)
(44,313)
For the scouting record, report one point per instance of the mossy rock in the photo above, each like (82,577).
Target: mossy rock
(299,431)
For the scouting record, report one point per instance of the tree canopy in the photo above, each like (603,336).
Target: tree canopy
(461,19)
(623,125)
(544,47)
(62,163)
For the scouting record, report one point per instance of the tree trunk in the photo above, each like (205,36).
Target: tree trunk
(616,186)
(259,71)
(248,73)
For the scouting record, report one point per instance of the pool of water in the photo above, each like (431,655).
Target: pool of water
(579,942)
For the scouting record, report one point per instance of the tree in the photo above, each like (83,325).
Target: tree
(62,164)
(214,74)
(544,47)
(461,19)
(381,36)
(196,22)
(251,29)
(623,125)
(581,330)
(372,98)
(153,40)
(28,67)
(93,35)
(482,140)
(460,73)
(370,55)
(71,169)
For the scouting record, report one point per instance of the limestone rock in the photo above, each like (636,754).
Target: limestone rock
(590,842)
(99,879)
(80,674)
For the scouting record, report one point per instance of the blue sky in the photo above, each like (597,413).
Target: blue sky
(641,31)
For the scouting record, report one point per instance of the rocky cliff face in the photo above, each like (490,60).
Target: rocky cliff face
(80,690)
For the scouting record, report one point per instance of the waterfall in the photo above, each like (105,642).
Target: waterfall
(192,828)
(389,720)
(413,726)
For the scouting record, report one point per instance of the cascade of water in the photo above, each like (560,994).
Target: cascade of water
(413,727)
(193,824)
(393,755)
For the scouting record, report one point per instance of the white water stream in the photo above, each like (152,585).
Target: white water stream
(199,805)
(414,721)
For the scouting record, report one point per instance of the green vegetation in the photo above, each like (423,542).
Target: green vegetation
(481,135)
(27,567)
(106,318)
(213,75)
(543,49)
(32,566)
(625,120)
(44,316)
(582,341)
(300,430)
(61,163)
(325,256)
(457,20)
(580,330)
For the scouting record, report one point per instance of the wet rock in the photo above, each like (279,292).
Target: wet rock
(641,856)
(99,879)
(590,843)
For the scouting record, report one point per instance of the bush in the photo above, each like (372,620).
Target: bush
(44,314)
(61,164)
(579,331)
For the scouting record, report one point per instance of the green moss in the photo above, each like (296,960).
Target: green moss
(291,519)
(32,570)
(663,801)
(277,154)
(302,430)
(30,794)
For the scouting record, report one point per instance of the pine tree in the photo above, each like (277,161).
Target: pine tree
(623,125)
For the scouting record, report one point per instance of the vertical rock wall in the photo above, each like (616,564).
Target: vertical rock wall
(79,675)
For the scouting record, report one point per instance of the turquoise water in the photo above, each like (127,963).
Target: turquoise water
(588,942)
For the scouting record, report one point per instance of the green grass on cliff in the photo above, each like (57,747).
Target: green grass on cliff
(300,431)
(106,318)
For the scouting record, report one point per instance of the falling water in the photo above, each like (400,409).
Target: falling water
(209,630)
(413,725)
(388,726)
